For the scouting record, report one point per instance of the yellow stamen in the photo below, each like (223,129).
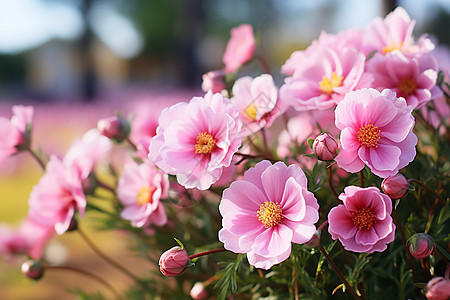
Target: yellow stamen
(327,85)
(406,87)
(368,135)
(205,143)
(269,214)
(363,218)
(392,47)
(250,112)
(145,195)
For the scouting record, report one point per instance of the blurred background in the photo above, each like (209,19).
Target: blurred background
(80,60)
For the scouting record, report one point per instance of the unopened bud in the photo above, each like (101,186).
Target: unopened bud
(173,261)
(325,147)
(115,128)
(395,186)
(421,245)
(198,291)
(214,81)
(33,269)
(438,288)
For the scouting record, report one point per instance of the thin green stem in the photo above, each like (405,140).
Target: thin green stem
(361,178)
(105,186)
(427,188)
(339,274)
(131,144)
(37,158)
(330,183)
(106,258)
(85,273)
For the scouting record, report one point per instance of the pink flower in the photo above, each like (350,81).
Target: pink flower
(395,186)
(394,33)
(173,261)
(56,197)
(363,223)
(266,211)
(240,48)
(214,81)
(376,130)
(15,133)
(411,78)
(257,102)
(198,291)
(196,140)
(324,79)
(438,288)
(140,189)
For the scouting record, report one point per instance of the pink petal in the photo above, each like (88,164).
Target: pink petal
(292,203)
(340,222)
(273,241)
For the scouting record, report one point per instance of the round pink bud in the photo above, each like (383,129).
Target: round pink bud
(173,261)
(438,288)
(421,245)
(395,186)
(325,147)
(114,127)
(214,81)
(198,291)
(33,269)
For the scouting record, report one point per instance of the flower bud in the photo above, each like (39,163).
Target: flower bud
(214,81)
(173,261)
(115,128)
(438,288)
(325,147)
(421,245)
(198,291)
(395,186)
(33,269)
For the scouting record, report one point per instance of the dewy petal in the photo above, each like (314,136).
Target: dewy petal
(273,241)
(293,204)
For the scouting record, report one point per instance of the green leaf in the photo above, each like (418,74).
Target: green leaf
(310,142)
(227,283)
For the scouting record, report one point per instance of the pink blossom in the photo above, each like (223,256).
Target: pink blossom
(394,33)
(196,140)
(240,48)
(198,291)
(324,79)
(15,133)
(376,130)
(363,222)
(411,78)
(140,189)
(56,197)
(214,81)
(257,102)
(438,288)
(346,38)
(266,211)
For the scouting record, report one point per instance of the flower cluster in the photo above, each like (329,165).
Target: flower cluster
(248,165)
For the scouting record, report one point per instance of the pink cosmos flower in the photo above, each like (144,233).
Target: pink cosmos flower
(257,102)
(240,48)
(15,133)
(140,189)
(196,140)
(266,211)
(411,78)
(394,33)
(346,38)
(363,222)
(376,130)
(325,78)
(56,197)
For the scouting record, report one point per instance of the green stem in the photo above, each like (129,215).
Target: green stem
(37,158)
(207,253)
(339,274)
(330,183)
(361,178)
(131,144)
(105,186)
(106,258)
(85,273)
(427,188)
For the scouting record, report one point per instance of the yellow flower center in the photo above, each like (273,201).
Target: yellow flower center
(327,85)
(406,87)
(205,143)
(368,135)
(145,195)
(269,214)
(250,112)
(363,218)
(392,47)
